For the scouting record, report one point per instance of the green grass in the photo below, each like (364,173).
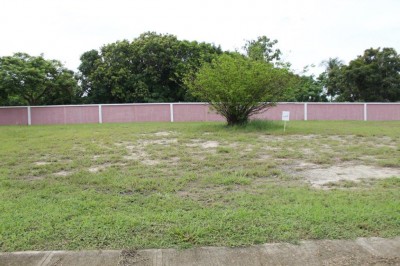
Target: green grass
(159,185)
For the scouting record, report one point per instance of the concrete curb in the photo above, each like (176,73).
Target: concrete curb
(362,251)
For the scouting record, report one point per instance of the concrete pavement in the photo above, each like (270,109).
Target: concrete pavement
(362,251)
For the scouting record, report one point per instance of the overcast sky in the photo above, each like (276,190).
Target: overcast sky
(308,31)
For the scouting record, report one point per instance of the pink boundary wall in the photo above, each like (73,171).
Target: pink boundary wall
(136,113)
(186,112)
(49,115)
(194,112)
(275,113)
(383,111)
(335,111)
(13,116)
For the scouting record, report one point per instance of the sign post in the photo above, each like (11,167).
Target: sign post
(285,117)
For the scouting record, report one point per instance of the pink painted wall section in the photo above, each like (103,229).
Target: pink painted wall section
(275,113)
(383,111)
(335,111)
(64,115)
(136,113)
(195,112)
(186,112)
(190,112)
(213,116)
(14,116)
(203,112)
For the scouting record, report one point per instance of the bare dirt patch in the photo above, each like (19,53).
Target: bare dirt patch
(342,139)
(273,138)
(329,161)
(79,148)
(164,133)
(157,141)
(33,178)
(307,151)
(150,162)
(305,137)
(320,177)
(203,144)
(98,168)
(137,151)
(63,173)
(264,157)
(119,144)
(138,154)
(174,160)
(132,156)
(41,163)
(210,144)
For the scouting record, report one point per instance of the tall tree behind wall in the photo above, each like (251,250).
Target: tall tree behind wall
(303,88)
(371,77)
(33,80)
(148,69)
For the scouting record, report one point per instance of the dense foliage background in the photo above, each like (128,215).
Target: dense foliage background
(152,68)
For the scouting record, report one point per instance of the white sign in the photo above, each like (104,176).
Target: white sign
(285,115)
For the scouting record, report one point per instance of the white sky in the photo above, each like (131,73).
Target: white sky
(308,31)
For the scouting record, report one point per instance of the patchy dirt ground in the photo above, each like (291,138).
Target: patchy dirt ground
(321,161)
(325,161)
(321,177)
(295,153)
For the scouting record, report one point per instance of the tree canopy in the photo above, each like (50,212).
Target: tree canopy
(263,49)
(152,68)
(148,69)
(238,87)
(371,77)
(304,88)
(31,80)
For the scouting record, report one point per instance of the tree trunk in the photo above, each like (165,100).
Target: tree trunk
(234,119)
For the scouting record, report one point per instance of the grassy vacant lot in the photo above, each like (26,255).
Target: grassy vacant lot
(148,185)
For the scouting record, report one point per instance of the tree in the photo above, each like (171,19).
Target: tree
(238,87)
(305,88)
(31,80)
(3,96)
(331,77)
(90,61)
(263,49)
(148,69)
(371,77)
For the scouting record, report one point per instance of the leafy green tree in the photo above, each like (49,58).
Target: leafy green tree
(331,77)
(3,96)
(238,87)
(305,88)
(263,49)
(106,76)
(88,79)
(148,69)
(31,80)
(371,77)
